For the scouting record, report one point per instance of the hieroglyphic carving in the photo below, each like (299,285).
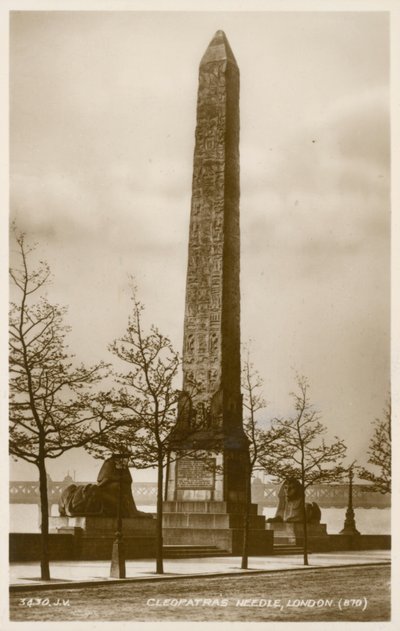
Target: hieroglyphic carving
(212,291)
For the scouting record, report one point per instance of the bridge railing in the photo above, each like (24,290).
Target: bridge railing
(326,495)
(264,494)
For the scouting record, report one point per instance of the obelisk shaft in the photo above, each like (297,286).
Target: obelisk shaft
(209,422)
(211,353)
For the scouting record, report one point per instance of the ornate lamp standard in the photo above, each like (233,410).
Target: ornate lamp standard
(349,527)
(118,569)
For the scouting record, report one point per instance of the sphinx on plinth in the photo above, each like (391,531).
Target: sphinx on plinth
(288,521)
(101,499)
(290,505)
(89,514)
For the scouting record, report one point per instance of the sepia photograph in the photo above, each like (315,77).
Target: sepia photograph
(199,334)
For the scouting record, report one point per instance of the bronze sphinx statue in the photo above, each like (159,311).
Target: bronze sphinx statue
(290,507)
(101,499)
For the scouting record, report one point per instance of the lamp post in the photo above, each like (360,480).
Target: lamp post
(349,527)
(118,569)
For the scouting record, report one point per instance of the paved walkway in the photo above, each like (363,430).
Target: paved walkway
(79,573)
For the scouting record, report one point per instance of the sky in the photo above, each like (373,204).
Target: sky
(102,121)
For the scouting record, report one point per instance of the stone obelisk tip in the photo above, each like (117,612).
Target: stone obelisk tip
(218,50)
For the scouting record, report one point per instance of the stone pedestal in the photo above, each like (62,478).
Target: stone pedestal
(293,532)
(215,523)
(349,527)
(118,567)
(94,536)
(93,525)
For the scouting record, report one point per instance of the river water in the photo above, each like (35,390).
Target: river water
(25,518)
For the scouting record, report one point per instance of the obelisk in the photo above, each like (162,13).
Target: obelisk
(210,410)
(208,465)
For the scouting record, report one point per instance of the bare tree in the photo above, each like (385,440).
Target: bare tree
(380,454)
(302,452)
(52,407)
(260,440)
(146,401)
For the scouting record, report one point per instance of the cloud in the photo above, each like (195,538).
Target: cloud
(326,195)
(362,128)
(61,206)
(102,130)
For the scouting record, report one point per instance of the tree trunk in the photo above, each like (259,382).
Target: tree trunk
(44,511)
(159,535)
(245,551)
(305,531)
(166,477)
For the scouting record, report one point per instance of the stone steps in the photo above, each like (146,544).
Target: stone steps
(207,506)
(192,551)
(211,520)
(199,551)
(287,548)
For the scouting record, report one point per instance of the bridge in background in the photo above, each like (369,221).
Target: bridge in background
(264,494)
(326,495)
